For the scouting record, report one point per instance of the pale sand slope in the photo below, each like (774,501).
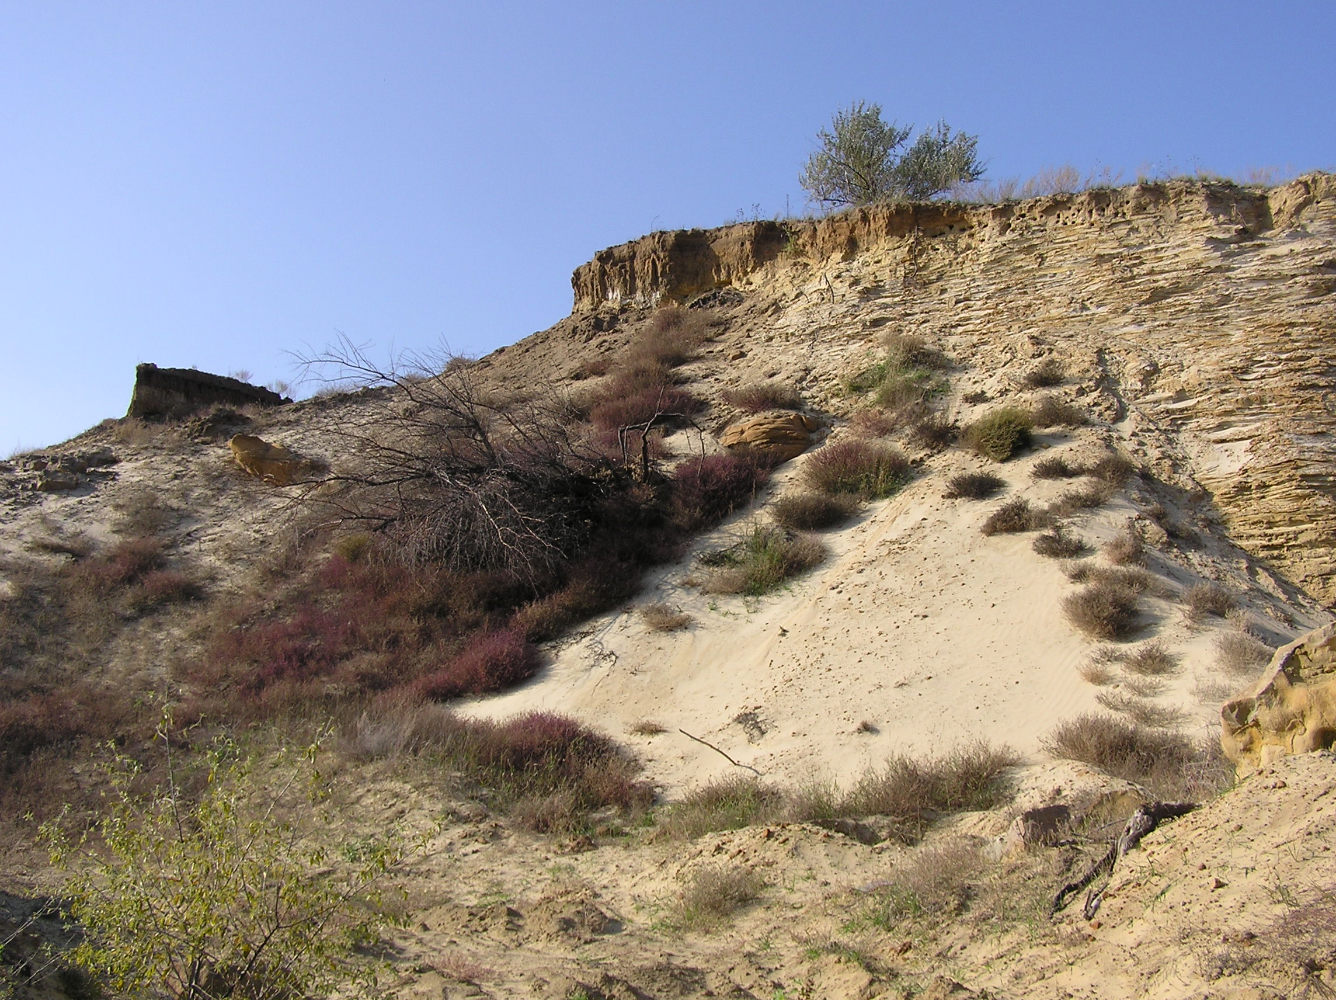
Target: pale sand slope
(917,625)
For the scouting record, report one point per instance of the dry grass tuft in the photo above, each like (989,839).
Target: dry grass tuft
(1058,543)
(1140,710)
(764,559)
(1055,467)
(726,803)
(664,617)
(814,511)
(1151,659)
(1086,497)
(759,396)
(647,727)
(1045,375)
(1127,548)
(1105,609)
(857,467)
(713,893)
(973,486)
(1050,411)
(1208,599)
(873,423)
(1240,654)
(1015,516)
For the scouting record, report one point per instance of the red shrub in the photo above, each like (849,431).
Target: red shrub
(706,490)
(491,661)
(639,407)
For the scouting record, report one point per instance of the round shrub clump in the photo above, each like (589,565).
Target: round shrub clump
(1000,434)
(857,467)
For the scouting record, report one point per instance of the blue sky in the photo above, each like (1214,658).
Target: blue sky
(218,184)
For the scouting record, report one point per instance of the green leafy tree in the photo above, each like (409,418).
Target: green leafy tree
(859,160)
(223,895)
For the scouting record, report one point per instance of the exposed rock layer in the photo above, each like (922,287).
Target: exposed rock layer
(164,393)
(1199,316)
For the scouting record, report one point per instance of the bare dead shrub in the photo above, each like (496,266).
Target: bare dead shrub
(1135,579)
(1015,516)
(643,406)
(1051,411)
(1001,433)
(461,476)
(759,396)
(1239,654)
(1127,548)
(1046,374)
(1208,599)
(973,486)
(1103,609)
(664,617)
(1055,467)
(809,511)
(1058,543)
(857,467)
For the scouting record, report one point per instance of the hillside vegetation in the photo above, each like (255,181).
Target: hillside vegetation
(1017,496)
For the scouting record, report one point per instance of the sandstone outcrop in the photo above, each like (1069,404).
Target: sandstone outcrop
(1292,709)
(1198,316)
(776,437)
(170,393)
(270,462)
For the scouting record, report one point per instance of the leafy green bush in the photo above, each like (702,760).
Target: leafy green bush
(228,895)
(858,161)
(1001,433)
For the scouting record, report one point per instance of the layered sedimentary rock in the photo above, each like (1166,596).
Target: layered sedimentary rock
(166,393)
(1199,317)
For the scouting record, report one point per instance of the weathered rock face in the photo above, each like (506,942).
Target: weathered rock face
(777,437)
(1198,317)
(1292,709)
(270,462)
(168,393)
(675,265)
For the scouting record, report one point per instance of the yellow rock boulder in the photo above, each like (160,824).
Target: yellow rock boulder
(1292,709)
(270,462)
(777,437)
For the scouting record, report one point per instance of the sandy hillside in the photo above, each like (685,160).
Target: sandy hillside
(1186,329)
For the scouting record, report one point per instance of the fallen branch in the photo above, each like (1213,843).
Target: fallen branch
(1141,822)
(726,757)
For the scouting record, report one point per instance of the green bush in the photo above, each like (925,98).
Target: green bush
(226,895)
(1000,434)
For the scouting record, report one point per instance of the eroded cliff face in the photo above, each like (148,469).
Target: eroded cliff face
(1201,317)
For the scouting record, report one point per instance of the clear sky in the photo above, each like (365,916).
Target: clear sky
(217,184)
